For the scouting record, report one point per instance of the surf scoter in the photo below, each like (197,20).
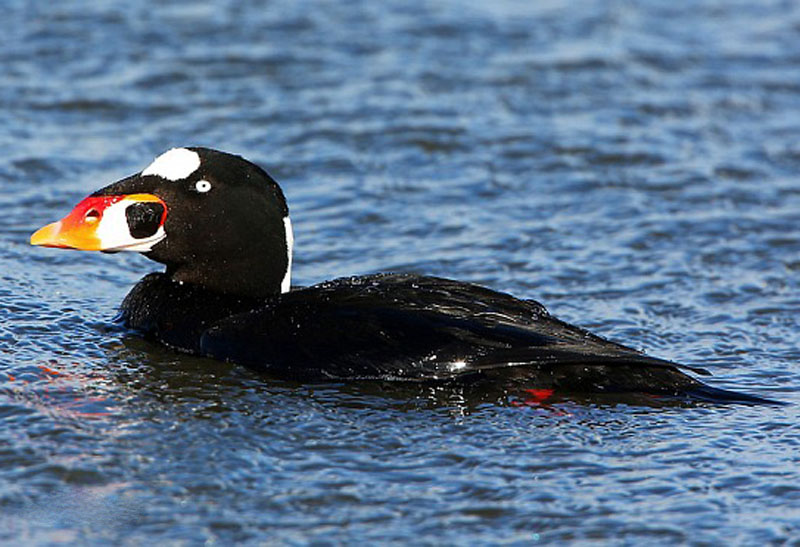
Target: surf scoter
(221,226)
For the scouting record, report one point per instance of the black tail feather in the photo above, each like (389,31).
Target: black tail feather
(723,396)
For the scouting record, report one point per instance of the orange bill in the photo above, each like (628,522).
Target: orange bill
(96,224)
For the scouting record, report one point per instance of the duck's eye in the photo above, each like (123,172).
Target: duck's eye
(202,186)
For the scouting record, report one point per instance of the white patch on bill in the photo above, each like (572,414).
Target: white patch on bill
(286,284)
(174,164)
(114,234)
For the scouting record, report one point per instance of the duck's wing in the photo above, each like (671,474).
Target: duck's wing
(409,327)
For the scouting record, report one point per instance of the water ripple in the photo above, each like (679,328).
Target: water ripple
(632,166)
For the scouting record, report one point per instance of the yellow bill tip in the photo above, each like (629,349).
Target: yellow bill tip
(47,236)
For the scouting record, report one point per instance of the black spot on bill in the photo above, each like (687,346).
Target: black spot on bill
(144,219)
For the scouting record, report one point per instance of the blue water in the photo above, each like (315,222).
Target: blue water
(632,165)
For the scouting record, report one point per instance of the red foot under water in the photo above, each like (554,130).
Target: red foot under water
(534,397)
(60,392)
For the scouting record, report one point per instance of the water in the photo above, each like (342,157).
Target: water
(631,165)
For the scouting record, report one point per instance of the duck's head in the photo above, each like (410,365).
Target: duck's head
(214,219)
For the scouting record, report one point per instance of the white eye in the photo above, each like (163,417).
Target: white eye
(202,186)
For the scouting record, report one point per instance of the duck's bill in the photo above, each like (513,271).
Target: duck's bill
(133,222)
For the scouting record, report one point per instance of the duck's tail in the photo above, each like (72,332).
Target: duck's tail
(710,394)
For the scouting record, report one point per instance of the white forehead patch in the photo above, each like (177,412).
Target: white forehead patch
(174,164)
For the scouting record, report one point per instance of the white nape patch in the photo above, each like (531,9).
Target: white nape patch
(114,235)
(286,284)
(174,164)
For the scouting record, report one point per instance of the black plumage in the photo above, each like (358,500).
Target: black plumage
(402,328)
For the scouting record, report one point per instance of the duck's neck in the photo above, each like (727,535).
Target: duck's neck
(256,271)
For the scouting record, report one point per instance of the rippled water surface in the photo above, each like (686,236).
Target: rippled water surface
(633,165)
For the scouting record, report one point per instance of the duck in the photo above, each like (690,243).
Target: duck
(220,226)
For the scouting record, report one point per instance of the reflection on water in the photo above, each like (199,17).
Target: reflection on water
(631,166)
